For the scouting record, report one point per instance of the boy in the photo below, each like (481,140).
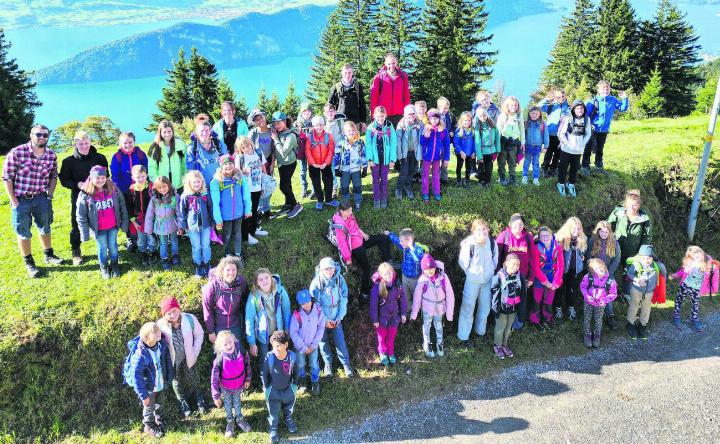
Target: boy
(307,327)
(642,278)
(137,199)
(412,255)
(280,380)
(334,126)
(601,110)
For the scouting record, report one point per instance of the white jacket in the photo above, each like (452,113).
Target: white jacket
(192,333)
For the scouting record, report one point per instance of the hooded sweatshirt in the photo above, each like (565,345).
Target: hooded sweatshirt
(331,294)
(523,247)
(223,302)
(574,131)
(602,291)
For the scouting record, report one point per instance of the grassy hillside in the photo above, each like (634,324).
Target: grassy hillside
(62,337)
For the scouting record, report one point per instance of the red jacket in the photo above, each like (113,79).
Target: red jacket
(319,148)
(391,93)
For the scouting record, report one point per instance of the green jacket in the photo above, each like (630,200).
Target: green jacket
(486,142)
(174,164)
(630,235)
(286,149)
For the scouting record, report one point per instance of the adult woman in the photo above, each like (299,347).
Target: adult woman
(204,152)
(229,128)
(391,89)
(223,298)
(631,225)
(166,156)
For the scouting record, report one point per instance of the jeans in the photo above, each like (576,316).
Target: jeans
(311,359)
(231,399)
(475,308)
(407,169)
(380,178)
(571,161)
(503,328)
(386,340)
(303,174)
(286,173)
(552,155)
(322,183)
(437,322)
(409,284)
(232,236)
(508,155)
(107,245)
(338,337)
(164,239)
(145,243)
(425,184)
(279,401)
(152,413)
(356,179)
(595,144)
(200,242)
(532,155)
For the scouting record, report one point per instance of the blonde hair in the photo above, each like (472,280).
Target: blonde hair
(632,196)
(442,100)
(126,134)
(273,285)
(421,104)
(241,142)
(351,124)
(90,189)
(544,229)
(464,115)
(597,241)
(407,232)
(596,265)
(224,262)
(189,176)
(506,105)
(602,83)
(138,169)
(564,234)
(688,260)
(477,223)
(81,135)
(221,339)
(147,330)
(481,94)
(441,124)
(379,109)
(512,257)
(382,284)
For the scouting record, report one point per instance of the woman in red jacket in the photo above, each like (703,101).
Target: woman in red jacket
(391,89)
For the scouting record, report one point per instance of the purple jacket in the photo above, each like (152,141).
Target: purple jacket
(309,330)
(387,311)
(602,291)
(223,303)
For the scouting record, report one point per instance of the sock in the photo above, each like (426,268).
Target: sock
(48,252)
(28,259)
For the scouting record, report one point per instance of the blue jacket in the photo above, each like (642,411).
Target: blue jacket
(194,211)
(143,368)
(230,199)
(389,144)
(554,111)
(464,143)
(536,133)
(436,147)
(602,116)
(197,158)
(411,257)
(407,135)
(121,167)
(331,295)
(256,318)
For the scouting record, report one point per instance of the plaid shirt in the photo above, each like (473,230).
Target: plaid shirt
(29,175)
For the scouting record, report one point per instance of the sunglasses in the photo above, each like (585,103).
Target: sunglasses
(45,135)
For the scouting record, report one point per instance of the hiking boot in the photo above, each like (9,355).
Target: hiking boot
(571,190)
(398,194)
(392,359)
(205,269)
(507,351)
(697,325)
(632,331)
(77,257)
(588,341)
(252,240)
(438,198)
(561,189)
(291,425)
(536,182)
(201,409)
(51,259)
(166,265)
(572,315)
(274,438)
(230,429)
(558,314)
(315,388)
(176,259)
(499,352)
(440,350)
(32,270)
(185,409)
(295,211)
(677,322)
(642,331)
(429,353)
(524,180)
(130,245)
(596,340)
(243,424)
(105,271)
(115,269)
(319,206)
(154,257)
(384,360)
(612,322)
(155,432)
(409,194)
(198,271)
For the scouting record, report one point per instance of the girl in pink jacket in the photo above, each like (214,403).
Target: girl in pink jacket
(698,276)
(598,289)
(435,295)
(548,274)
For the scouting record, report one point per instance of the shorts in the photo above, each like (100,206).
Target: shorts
(39,208)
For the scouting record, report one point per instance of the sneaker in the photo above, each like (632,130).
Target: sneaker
(349,373)
(426,198)
(558,314)
(539,327)
(612,322)
(315,388)
(596,340)
(561,189)
(440,350)
(571,190)
(146,259)
(295,211)
(260,232)
(430,354)
(438,198)
(252,240)
(632,331)
(572,315)
(398,194)
(547,325)
(599,170)
(334,203)
(536,182)
(588,341)
(383,204)
(77,257)
(384,360)
(696,325)
(105,271)
(291,425)
(319,206)
(376,204)
(230,429)
(32,270)
(584,171)
(201,409)
(185,409)
(166,265)
(468,343)
(205,269)
(243,424)
(51,259)
(677,323)
(544,172)
(176,260)
(155,432)
(499,352)
(507,351)
(642,331)
(392,359)
(524,180)
(410,194)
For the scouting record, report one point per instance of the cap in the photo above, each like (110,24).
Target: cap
(303,297)
(278,116)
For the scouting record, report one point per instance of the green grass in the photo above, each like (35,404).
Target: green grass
(62,337)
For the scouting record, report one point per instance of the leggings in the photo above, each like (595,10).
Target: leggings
(485,168)
(568,294)
(458,168)
(592,319)
(286,174)
(360,257)
(503,328)
(683,293)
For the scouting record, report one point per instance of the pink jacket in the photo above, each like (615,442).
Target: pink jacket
(435,298)
(192,333)
(602,291)
(350,241)
(711,281)
(391,93)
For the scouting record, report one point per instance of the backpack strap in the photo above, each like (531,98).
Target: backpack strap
(190,320)
(296,313)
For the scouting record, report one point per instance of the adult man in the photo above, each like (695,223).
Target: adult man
(30,176)
(347,97)
(390,88)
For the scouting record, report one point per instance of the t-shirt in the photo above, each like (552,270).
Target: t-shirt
(262,141)
(269,303)
(253,163)
(694,279)
(178,344)
(105,210)
(380,145)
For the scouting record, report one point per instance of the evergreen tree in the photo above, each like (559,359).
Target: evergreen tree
(17,100)
(331,55)
(176,101)
(274,104)
(291,104)
(615,46)
(397,30)
(203,83)
(652,98)
(450,57)
(359,19)
(262,101)
(226,93)
(706,96)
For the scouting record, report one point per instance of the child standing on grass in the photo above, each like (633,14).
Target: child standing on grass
(307,327)
(555,105)
(448,119)
(101,210)
(601,110)
(412,255)
(334,125)
(603,245)
(548,278)
(231,374)
(573,242)
(537,140)
(161,220)
(512,138)
(137,200)
(574,132)
(261,137)
(251,163)
(642,277)
(267,309)
(435,144)
(286,145)
(487,145)
(319,151)
(231,202)
(303,127)
(381,143)
(508,291)
(409,154)
(280,379)
(194,216)
(434,295)
(464,144)
(598,289)
(351,161)
(695,279)
(388,307)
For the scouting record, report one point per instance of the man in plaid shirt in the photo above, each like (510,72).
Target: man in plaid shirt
(30,175)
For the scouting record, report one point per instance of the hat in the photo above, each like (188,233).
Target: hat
(646,250)
(253,114)
(97,170)
(427,262)
(327,262)
(304,106)
(226,158)
(278,116)
(409,109)
(168,304)
(433,113)
(303,297)
(516,217)
(318,119)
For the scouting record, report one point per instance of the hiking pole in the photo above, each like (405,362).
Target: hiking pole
(692,220)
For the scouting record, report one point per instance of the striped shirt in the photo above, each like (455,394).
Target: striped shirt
(178,344)
(29,175)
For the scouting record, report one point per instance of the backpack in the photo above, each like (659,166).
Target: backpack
(493,250)
(331,235)
(591,283)
(271,360)
(356,88)
(128,373)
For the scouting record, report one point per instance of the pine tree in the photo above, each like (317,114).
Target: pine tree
(176,100)
(705,97)
(17,99)
(614,43)
(273,104)
(358,19)
(652,98)
(262,101)
(226,93)
(397,30)
(203,84)
(291,104)
(450,57)
(331,55)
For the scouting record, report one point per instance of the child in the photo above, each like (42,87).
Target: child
(286,144)
(261,137)
(381,142)
(435,296)
(573,242)
(537,140)
(448,119)
(231,373)
(508,291)
(334,125)
(137,200)
(599,289)
(642,278)
(435,143)
(161,220)
(409,154)
(412,255)
(351,161)
(319,151)
(464,144)
(603,245)
(695,279)
(101,210)
(127,156)
(194,216)
(574,132)
(478,259)
(600,110)
(387,310)
(307,327)
(487,145)
(483,100)
(184,336)
(251,164)
(166,156)
(330,291)
(555,106)
(512,137)
(267,309)
(149,372)
(421,112)
(303,127)
(280,378)
(231,202)
(548,278)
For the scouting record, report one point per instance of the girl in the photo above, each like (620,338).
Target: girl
(512,137)
(351,160)
(574,132)
(166,156)
(695,279)
(643,275)
(537,138)
(483,100)
(251,164)
(161,220)
(229,128)
(573,241)
(508,291)
(381,142)
(223,298)
(598,289)
(137,200)
(261,137)
(303,127)
(387,310)
(267,310)
(231,374)
(435,143)
(127,156)
(319,150)
(101,209)
(409,154)
(194,216)
(603,245)
(286,144)
(435,296)
(548,278)
(464,143)
(231,202)
(487,145)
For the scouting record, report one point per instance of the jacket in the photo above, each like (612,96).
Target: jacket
(492,111)
(478,262)
(409,140)
(711,278)
(389,143)
(554,111)
(319,148)
(630,235)
(121,166)
(602,292)
(392,93)
(331,295)
(141,363)
(230,198)
(511,126)
(602,110)
(167,165)
(161,217)
(350,241)
(87,214)
(219,128)
(579,260)
(256,316)
(502,301)
(464,142)
(411,257)
(611,263)
(523,247)
(223,303)
(572,139)
(387,311)
(536,133)
(349,100)
(285,151)
(205,161)
(309,330)
(230,371)
(487,140)
(192,333)
(435,298)
(558,264)
(650,274)
(350,157)
(76,168)
(137,203)
(436,147)
(194,211)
